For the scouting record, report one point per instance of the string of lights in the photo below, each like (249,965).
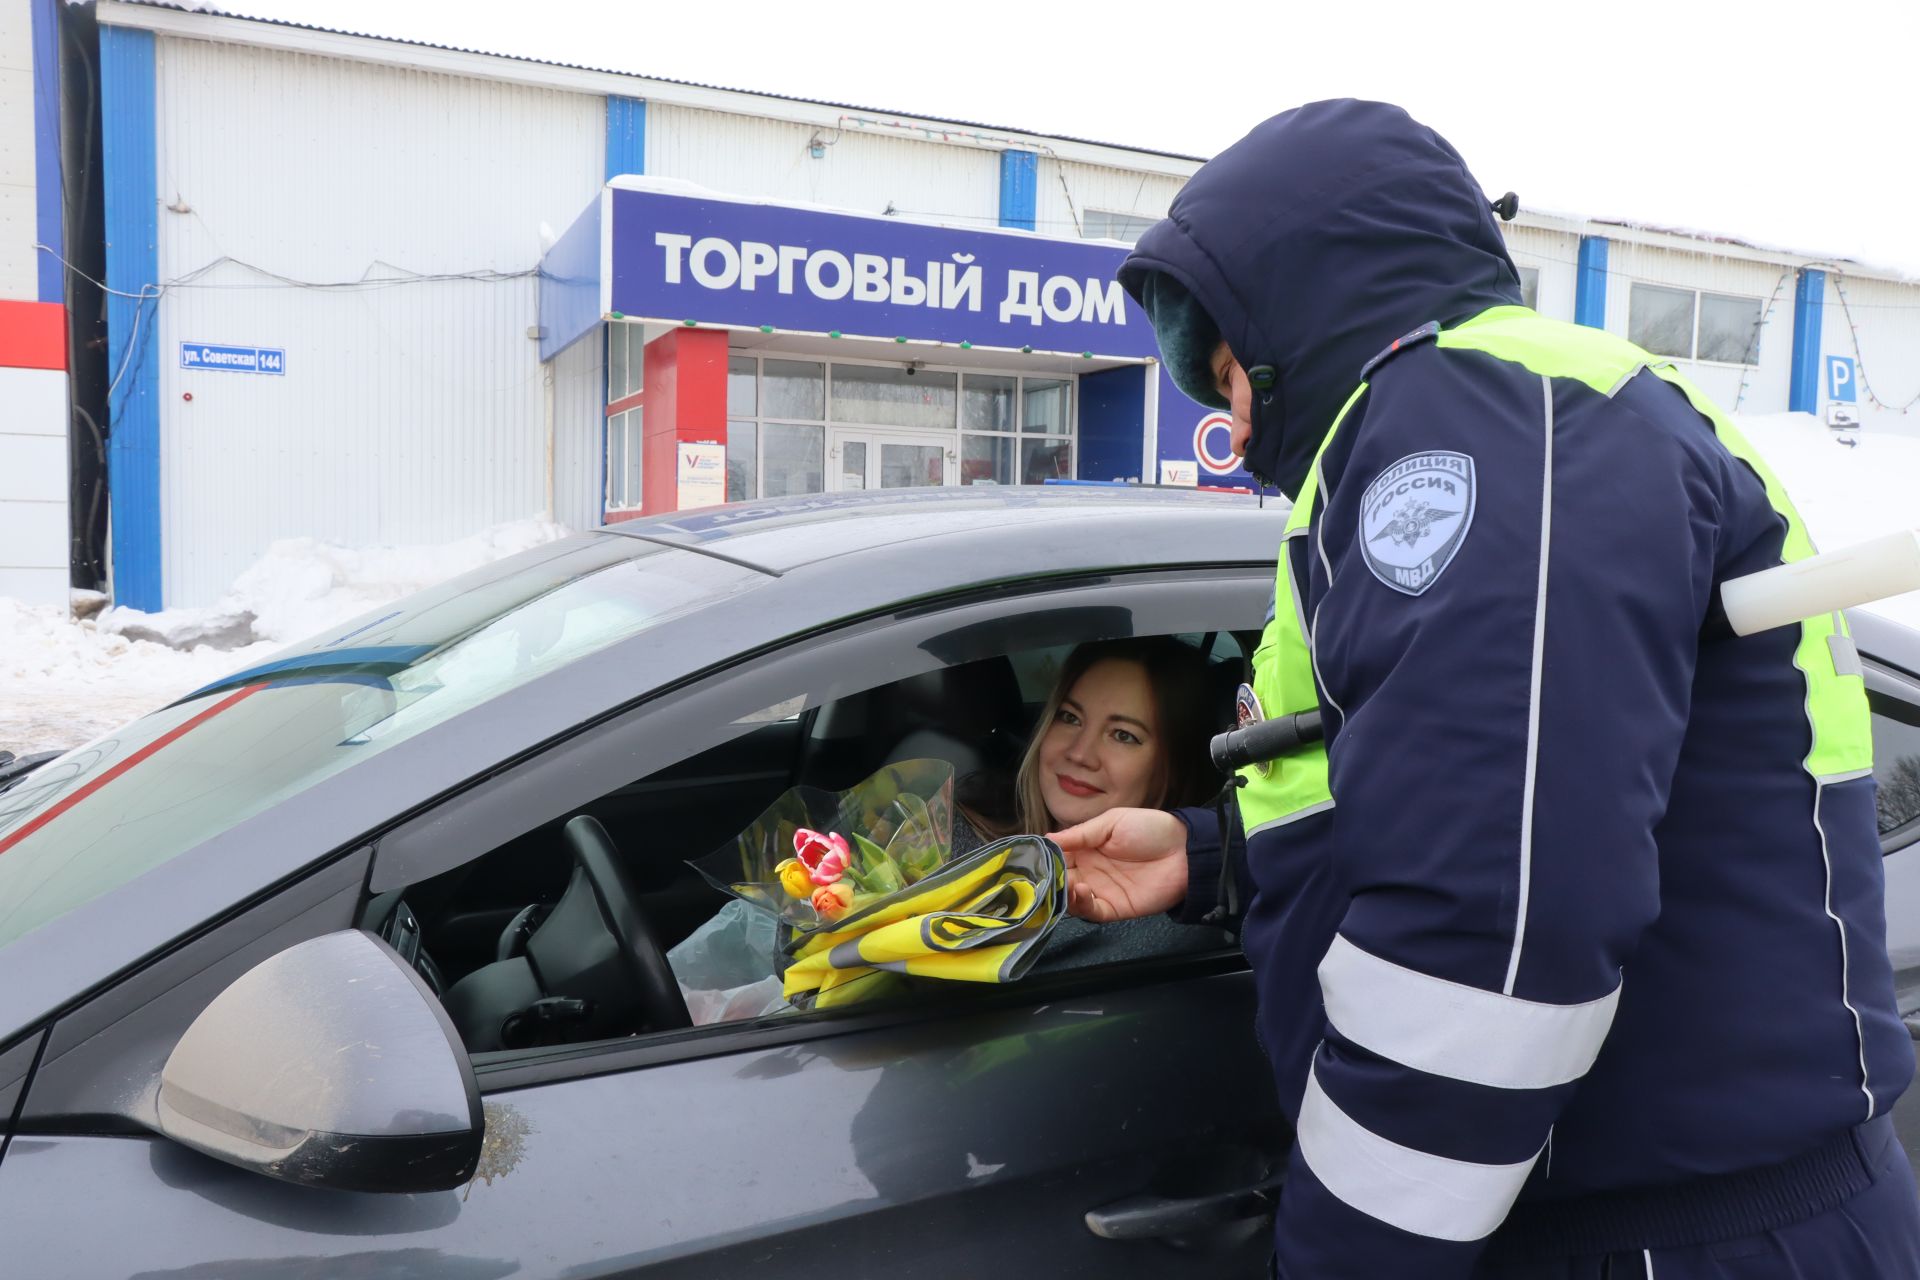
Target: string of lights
(1860,360)
(1766,316)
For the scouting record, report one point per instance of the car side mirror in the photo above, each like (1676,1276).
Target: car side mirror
(332,1065)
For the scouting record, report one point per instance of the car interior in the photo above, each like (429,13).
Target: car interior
(561,935)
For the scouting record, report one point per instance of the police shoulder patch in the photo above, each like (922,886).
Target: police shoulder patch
(1414,516)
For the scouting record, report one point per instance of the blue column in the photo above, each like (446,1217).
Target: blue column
(1590,284)
(1019,188)
(1809,298)
(133,312)
(46,151)
(626,136)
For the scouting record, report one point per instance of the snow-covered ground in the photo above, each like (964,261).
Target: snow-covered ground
(1846,491)
(64,681)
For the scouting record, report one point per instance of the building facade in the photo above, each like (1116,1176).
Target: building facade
(34,479)
(324,258)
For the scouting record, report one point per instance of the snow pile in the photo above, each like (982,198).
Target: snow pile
(65,680)
(1848,486)
(303,585)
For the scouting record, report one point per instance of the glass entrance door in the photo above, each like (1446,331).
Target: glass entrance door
(888,460)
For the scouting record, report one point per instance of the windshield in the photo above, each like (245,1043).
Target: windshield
(107,812)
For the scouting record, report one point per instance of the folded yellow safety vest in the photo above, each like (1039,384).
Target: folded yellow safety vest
(981,918)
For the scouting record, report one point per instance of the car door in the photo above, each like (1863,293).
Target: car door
(1894,697)
(961,1131)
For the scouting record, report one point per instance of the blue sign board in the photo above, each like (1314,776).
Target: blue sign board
(204,355)
(1840,387)
(676,258)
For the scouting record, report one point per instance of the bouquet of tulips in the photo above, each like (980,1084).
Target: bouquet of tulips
(815,857)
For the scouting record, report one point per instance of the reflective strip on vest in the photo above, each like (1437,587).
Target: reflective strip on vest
(1842,741)
(1283,679)
(1837,714)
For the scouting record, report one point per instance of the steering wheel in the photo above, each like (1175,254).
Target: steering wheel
(618,897)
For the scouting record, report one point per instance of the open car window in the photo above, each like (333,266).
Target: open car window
(1894,700)
(675,777)
(102,815)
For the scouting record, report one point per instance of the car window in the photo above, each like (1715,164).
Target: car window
(712,747)
(105,813)
(1896,766)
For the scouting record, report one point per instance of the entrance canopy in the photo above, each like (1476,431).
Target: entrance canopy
(800,280)
(666,252)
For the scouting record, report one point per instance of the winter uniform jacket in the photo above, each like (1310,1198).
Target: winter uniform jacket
(1583,894)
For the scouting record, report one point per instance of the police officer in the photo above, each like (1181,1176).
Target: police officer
(1569,938)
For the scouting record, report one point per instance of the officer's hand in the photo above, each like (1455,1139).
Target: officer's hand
(1124,864)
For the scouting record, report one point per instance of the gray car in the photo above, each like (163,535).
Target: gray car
(353,963)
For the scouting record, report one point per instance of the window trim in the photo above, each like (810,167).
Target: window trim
(708,709)
(1693,341)
(1522,268)
(1019,433)
(1889,682)
(1110,215)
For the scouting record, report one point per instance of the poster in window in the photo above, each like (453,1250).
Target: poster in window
(702,474)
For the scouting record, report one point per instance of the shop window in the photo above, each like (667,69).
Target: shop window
(626,360)
(1013,430)
(623,460)
(988,459)
(1045,459)
(743,460)
(1689,324)
(992,451)
(743,387)
(988,402)
(893,396)
(795,459)
(1048,406)
(794,389)
(1101,224)
(1530,287)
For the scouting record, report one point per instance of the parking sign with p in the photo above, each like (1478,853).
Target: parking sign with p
(1840,379)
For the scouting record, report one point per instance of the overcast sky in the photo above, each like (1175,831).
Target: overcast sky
(1796,129)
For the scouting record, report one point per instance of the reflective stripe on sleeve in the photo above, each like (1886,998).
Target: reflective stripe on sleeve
(1463,1033)
(1427,1195)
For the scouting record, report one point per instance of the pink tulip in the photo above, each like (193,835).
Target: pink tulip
(826,857)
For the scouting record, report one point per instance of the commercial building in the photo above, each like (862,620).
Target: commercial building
(374,291)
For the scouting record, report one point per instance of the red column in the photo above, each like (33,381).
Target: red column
(686,403)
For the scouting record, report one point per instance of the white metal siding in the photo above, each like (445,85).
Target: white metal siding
(33,485)
(1067,190)
(1761,389)
(1886,349)
(1556,255)
(579,409)
(411,412)
(861,170)
(19,273)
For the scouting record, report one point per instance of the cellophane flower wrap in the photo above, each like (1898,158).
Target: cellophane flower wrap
(816,857)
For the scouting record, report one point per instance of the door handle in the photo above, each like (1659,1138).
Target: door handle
(1145,1217)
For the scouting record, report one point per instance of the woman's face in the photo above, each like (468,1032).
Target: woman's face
(1101,749)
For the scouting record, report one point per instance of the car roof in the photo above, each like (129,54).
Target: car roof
(1074,526)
